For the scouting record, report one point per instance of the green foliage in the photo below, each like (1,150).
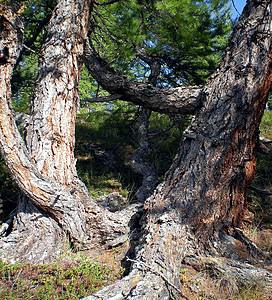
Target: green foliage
(104,145)
(23,82)
(115,131)
(165,134)
(72,280)
(35,15)
(262,205)
(186,36)
(8,192)
(266,124)
(269,102)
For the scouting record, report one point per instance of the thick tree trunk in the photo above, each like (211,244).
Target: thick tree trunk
(51,134)
(45,169)
(204,193)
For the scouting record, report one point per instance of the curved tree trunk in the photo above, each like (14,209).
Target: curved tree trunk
(147,170)
(51,133)
(204,193)
(56,202)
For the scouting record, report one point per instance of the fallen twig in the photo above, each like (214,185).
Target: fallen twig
(260,191)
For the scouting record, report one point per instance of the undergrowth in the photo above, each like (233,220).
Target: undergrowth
(53,281)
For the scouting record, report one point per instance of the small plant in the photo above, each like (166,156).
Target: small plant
(265,127)
(72,280)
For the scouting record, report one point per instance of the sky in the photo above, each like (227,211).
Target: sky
(239,4)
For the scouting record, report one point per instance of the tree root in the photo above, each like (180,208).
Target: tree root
(34,238)
(253,249)
(146,266)
(150,279)
(112,229)
(230,271)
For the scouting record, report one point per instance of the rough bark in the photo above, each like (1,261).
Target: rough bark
(51,130)
(45,169)
(17,158)
(206,186)
(61,201)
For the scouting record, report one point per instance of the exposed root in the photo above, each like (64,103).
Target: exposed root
(112,229)
(243,273)
(34,238)
(146,266)
(253,249)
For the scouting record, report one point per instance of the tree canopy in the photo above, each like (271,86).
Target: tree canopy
(185,37)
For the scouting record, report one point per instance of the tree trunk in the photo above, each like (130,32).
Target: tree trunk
(55,201)
(138,163)
(50,137)
(203,196)
(144,168)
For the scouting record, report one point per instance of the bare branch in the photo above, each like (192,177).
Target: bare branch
(260,191)
(107,3)
(168,128)
(29,49)
(103,99)
(234,6)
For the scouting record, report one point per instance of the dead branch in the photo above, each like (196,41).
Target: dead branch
(103,99)
(260,191)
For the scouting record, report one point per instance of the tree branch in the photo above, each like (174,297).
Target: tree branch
(182,100)
(106,3)
(103,99)
(260,191)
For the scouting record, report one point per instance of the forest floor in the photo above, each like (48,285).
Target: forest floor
(104,147)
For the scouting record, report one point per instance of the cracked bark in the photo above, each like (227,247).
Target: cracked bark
(55,200)
(204,192)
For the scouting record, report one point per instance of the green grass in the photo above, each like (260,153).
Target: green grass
(59,281)
(105,184)
(254,290)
